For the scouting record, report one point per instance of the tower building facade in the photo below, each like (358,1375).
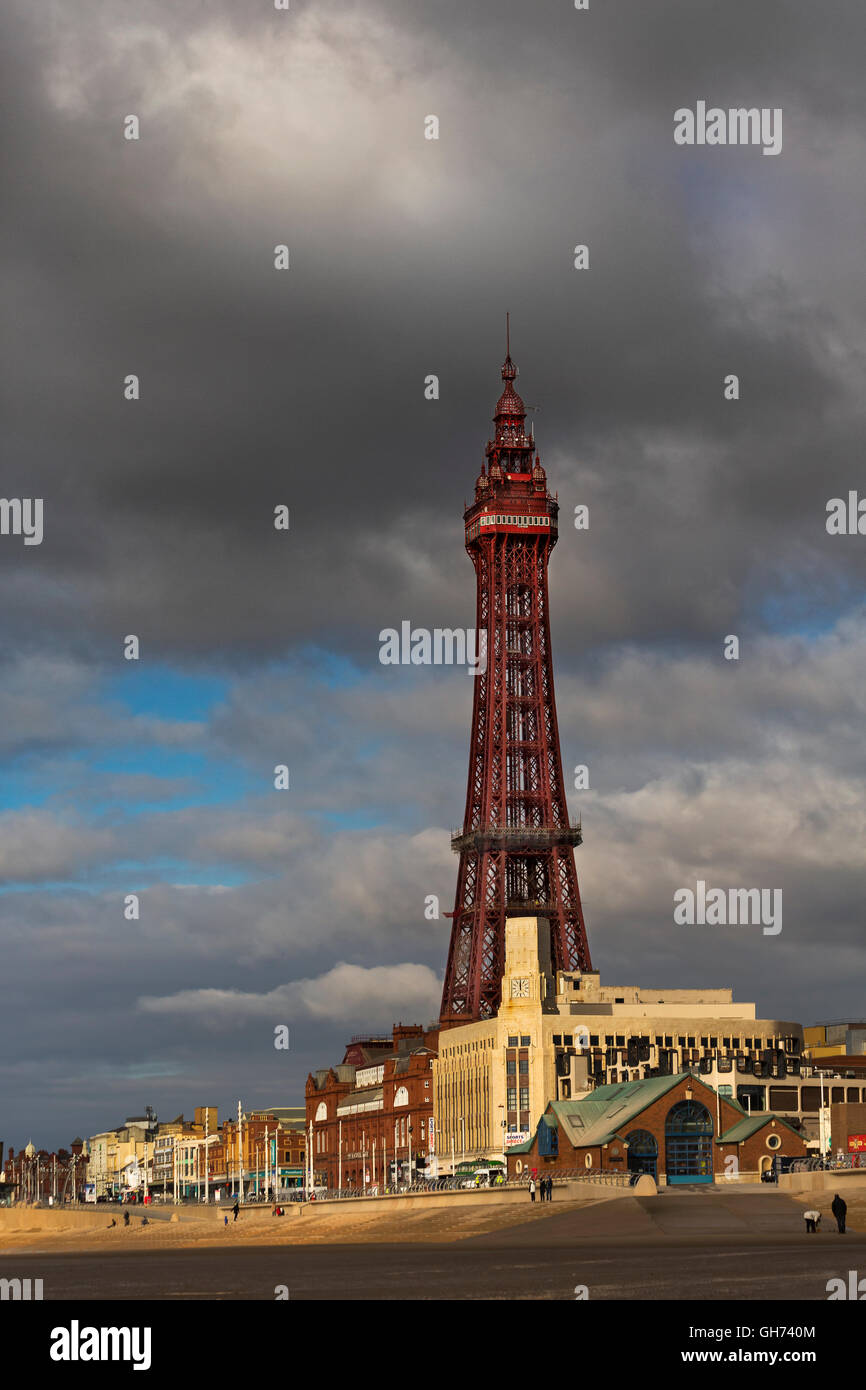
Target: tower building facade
(516,844)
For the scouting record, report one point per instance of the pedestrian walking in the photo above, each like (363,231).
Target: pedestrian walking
(532,1189)
(542,1190)
(839,1209)
(126,1218)
(235,1210)
(812,1219)
(550,1189)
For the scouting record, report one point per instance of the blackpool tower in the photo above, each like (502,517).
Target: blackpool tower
(516,844)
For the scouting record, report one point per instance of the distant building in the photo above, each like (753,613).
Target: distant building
(558,1036)
(371,1117)
(273,1153)
(37,1175)
(846,1039)
(675,1128)
(117,1154)
(292,1117)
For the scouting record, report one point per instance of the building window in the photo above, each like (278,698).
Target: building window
(511,1066)
(511,1098)
(512,1042)
(524,1066)
(524,1040)
(524,1097)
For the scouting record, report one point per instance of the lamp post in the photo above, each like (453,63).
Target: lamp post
(240,1192)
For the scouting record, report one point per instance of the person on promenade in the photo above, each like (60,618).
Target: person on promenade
(550,1189)
(812,1219)
(839,1209)
(126,1218)
(235,1209)
(532,1189)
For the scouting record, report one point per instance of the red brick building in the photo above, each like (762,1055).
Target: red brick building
(372,1116)
(35,1175)
(676,1128)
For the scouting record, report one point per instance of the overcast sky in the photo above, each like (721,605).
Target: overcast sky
(306,387)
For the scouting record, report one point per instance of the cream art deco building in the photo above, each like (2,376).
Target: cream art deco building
(556,1039)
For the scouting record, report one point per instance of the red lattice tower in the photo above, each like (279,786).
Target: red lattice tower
(516,844)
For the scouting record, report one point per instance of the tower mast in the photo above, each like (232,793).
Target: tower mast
(516,844)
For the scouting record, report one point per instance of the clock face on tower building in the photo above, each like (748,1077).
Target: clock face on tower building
(520,989)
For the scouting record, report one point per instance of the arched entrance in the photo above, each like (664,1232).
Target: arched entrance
(689,1143)
(643,1152)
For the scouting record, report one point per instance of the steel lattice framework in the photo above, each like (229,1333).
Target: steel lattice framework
(516,844)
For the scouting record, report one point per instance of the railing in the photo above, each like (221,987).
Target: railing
(459,1183)
(515,836)
(828,1165)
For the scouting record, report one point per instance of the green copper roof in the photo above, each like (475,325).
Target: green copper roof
(750,1124)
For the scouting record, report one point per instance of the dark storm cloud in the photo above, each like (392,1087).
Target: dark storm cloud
(307,388)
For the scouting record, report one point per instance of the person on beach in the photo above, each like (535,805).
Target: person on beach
(812,1219)
(126,1218)
(839,1209)
(532,1189)
(236,1208)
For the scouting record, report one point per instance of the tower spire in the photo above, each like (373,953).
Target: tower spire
(516,844)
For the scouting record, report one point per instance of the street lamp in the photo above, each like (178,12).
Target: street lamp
(504,1123)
